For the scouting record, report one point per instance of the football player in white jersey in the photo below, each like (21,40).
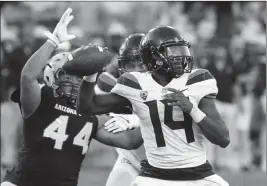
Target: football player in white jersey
(127,166)
(175,105)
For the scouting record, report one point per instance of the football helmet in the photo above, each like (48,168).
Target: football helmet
(129,58)
(153,49)
(65,86)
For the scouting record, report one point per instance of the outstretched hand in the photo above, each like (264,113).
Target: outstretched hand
(61,29)
(60,33)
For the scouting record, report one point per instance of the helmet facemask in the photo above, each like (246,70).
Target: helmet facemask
(179,64)
(129,57)
(66,86)
(131,63)
(156,59)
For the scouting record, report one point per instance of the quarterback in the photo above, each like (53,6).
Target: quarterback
(55,137)
(176,109)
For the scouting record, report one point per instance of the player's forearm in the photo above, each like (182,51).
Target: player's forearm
(135,139)
(85,102)
(131,139)
(126,140)
(216,133)
(37,61)
(90,103)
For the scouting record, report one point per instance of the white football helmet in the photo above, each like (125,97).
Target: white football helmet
(64,85)
(53,66)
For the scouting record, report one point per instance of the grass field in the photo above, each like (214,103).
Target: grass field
(100,160)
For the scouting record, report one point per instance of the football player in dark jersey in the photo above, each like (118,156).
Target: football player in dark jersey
(56,138)
(176,108)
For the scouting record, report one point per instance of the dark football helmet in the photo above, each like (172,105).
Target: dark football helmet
(154,46)
(129,58)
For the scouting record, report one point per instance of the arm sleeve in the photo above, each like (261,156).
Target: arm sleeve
(105,83)
(127,86)
(202,84)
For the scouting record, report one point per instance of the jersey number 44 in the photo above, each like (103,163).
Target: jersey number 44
(57,131)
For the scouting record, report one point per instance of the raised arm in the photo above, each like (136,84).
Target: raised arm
(30,94)
(89,102)
(129,139)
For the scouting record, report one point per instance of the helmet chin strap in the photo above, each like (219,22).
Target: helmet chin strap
(121,71)
(55,90)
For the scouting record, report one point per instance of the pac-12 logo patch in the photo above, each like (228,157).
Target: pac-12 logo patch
(164,91)
(143,94)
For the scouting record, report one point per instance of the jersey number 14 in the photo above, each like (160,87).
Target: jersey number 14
(57,131)
(186,124)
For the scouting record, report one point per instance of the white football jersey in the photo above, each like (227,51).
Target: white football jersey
(171,138)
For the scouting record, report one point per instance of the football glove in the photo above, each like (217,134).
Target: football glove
(60,34)
(121,122)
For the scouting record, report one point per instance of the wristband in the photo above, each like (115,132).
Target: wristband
(51,42)
(52,37)
(196,114)
(91,78)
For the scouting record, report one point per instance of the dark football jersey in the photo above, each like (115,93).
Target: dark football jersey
(56,139)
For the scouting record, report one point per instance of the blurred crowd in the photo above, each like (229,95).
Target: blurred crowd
(227,38)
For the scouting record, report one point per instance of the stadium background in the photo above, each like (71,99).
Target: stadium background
(224,35)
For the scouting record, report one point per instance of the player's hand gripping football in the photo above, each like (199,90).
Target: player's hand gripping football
(60,33)
(177,98)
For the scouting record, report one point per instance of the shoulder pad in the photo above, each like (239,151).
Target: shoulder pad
(129,80)
(199,75)
(106,82)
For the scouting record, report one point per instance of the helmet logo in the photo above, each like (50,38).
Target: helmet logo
(176,39)
(164,91)
(143,94)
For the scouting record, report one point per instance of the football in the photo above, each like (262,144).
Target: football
(88,60)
